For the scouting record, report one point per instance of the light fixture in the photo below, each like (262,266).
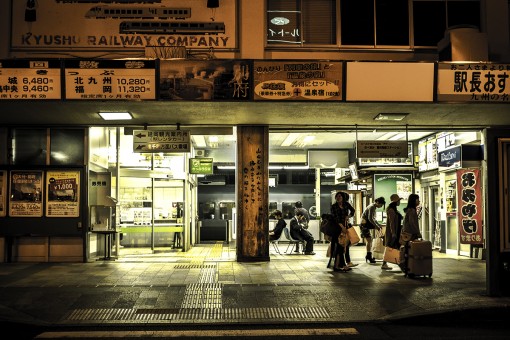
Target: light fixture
(296,167)
(226,167)
(391,116)
(291,138)
(387,136)
(398,136)
(308,139)
(116,115)
(199,141)
(275,167)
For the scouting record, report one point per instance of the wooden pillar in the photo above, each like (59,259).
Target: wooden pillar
(252,193)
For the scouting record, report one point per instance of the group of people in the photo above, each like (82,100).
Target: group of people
(342,211)
(298,228)
(396,223)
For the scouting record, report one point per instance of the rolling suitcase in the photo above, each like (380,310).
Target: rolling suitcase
(418,259)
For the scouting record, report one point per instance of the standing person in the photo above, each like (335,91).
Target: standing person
(393,226)
(298,206)
(411,225)
(340,212)
(370,224)
(278,229)
(350,213)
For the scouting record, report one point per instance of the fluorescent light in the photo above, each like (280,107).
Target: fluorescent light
(115,115)
(308,139)
(199,141)
(213,139)
(387,136)
(390,116)
(291,138)
(275,167)
(296,167)
(398,136)
(226,167)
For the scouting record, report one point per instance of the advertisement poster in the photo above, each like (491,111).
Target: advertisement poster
(473,82)
(470,206)
(26,194)
(205,80)
(63,194)
(3,193)
(297,80)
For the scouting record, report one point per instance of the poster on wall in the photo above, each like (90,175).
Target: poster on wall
(63,194)
(469,203)
(3,193)
(26,193)
(386,185)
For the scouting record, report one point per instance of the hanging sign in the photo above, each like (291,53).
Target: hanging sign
(30,79)
(63,194)
(110,79)
(161,141)
(201,166)
(470,207)
(381,149)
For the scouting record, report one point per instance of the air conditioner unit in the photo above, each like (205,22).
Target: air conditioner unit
(199,153)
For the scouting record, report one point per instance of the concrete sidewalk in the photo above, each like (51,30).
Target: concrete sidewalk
(207,286)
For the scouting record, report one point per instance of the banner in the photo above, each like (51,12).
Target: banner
(63,194)
(469,201)
(26,194)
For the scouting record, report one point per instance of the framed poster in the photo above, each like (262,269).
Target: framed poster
(3,192)
(26,193)
(63,194)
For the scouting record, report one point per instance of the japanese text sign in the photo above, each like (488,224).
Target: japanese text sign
(110,79)
(474,82)
(161,141)
(470,206)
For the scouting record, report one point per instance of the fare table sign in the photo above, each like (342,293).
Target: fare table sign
(110,79)
(161,140)
(63,194)
(30,79)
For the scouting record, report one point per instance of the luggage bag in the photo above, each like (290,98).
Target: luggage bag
(418,259)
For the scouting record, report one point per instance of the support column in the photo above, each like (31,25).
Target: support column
(252,193)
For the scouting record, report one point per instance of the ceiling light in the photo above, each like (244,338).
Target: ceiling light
(387,136)
(213,139)
(398,136)
(291,138)
(275,167)
(391,116)
(115,115)
(296,167)
(199,141)
(226,167)
(308,139)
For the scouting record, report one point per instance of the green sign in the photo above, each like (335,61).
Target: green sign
(201,166)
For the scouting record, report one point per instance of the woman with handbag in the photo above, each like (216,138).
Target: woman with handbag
(393,226)
(411,228)
(341,211)
(368,223)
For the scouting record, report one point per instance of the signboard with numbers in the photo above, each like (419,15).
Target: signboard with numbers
(297,80)
(26,194)
(473,82)
(30,79)
(63,194)
(110,79)
(161,141)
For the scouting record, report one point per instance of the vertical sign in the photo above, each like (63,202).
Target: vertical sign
(63,194)
(26,194)
(30,79)
(3,193)
(110,79)
(470,206)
